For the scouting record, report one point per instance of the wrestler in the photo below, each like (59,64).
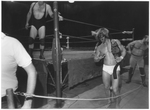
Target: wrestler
(108,50)
(37,14)
(137,50)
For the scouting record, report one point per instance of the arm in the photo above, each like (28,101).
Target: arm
(130,46)
(98,55)
(123,51)
(122,48)
(51,14)
(31,83)
(24,60)
(29,15)
(49,10)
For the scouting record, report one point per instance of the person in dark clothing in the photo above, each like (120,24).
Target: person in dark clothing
(37,14)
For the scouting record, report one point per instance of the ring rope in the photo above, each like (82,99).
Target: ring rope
(51,35)
(88,41)
(77,37)
(122,32)
(47,97)
(72,42)
(82,42)
(81,37)
(73,21)
(88,24)
(86,36)
(49,20)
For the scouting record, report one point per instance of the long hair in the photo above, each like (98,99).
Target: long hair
(102,32)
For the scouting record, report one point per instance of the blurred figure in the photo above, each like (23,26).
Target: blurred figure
(137,49)
(13,54)
(112,52)
(37,14)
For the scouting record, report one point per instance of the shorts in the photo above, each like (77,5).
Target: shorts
(109,69)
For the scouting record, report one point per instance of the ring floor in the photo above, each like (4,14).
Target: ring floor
(134,95)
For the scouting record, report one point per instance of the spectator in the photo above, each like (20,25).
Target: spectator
(13,54)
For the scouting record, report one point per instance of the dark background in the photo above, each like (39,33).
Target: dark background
(117,16)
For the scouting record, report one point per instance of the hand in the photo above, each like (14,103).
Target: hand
(101,56)
(93,33)
(98,58)
(60,18)
(27,26)
(118,59)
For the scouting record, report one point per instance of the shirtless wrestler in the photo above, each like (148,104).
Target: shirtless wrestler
(107,51)
(137,50)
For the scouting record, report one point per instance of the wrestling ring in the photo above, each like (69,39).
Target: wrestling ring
(75,64)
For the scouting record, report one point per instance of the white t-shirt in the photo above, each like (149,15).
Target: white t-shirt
(13,54)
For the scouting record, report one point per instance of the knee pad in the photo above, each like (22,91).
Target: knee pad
(42,42)
(142,71)
(31,40)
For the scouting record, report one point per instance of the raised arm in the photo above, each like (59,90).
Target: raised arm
(122,49)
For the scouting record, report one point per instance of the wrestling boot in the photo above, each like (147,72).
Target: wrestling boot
(42,54)
(130,75)
(143,77)
(30,51)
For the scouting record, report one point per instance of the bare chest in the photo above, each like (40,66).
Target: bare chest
(140,46)
(106,48)
(39,9)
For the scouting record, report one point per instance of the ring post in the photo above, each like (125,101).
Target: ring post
(57,62)
(10,98)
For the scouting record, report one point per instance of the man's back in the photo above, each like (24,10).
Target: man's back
(12,55)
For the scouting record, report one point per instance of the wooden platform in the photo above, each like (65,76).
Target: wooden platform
(67,54)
